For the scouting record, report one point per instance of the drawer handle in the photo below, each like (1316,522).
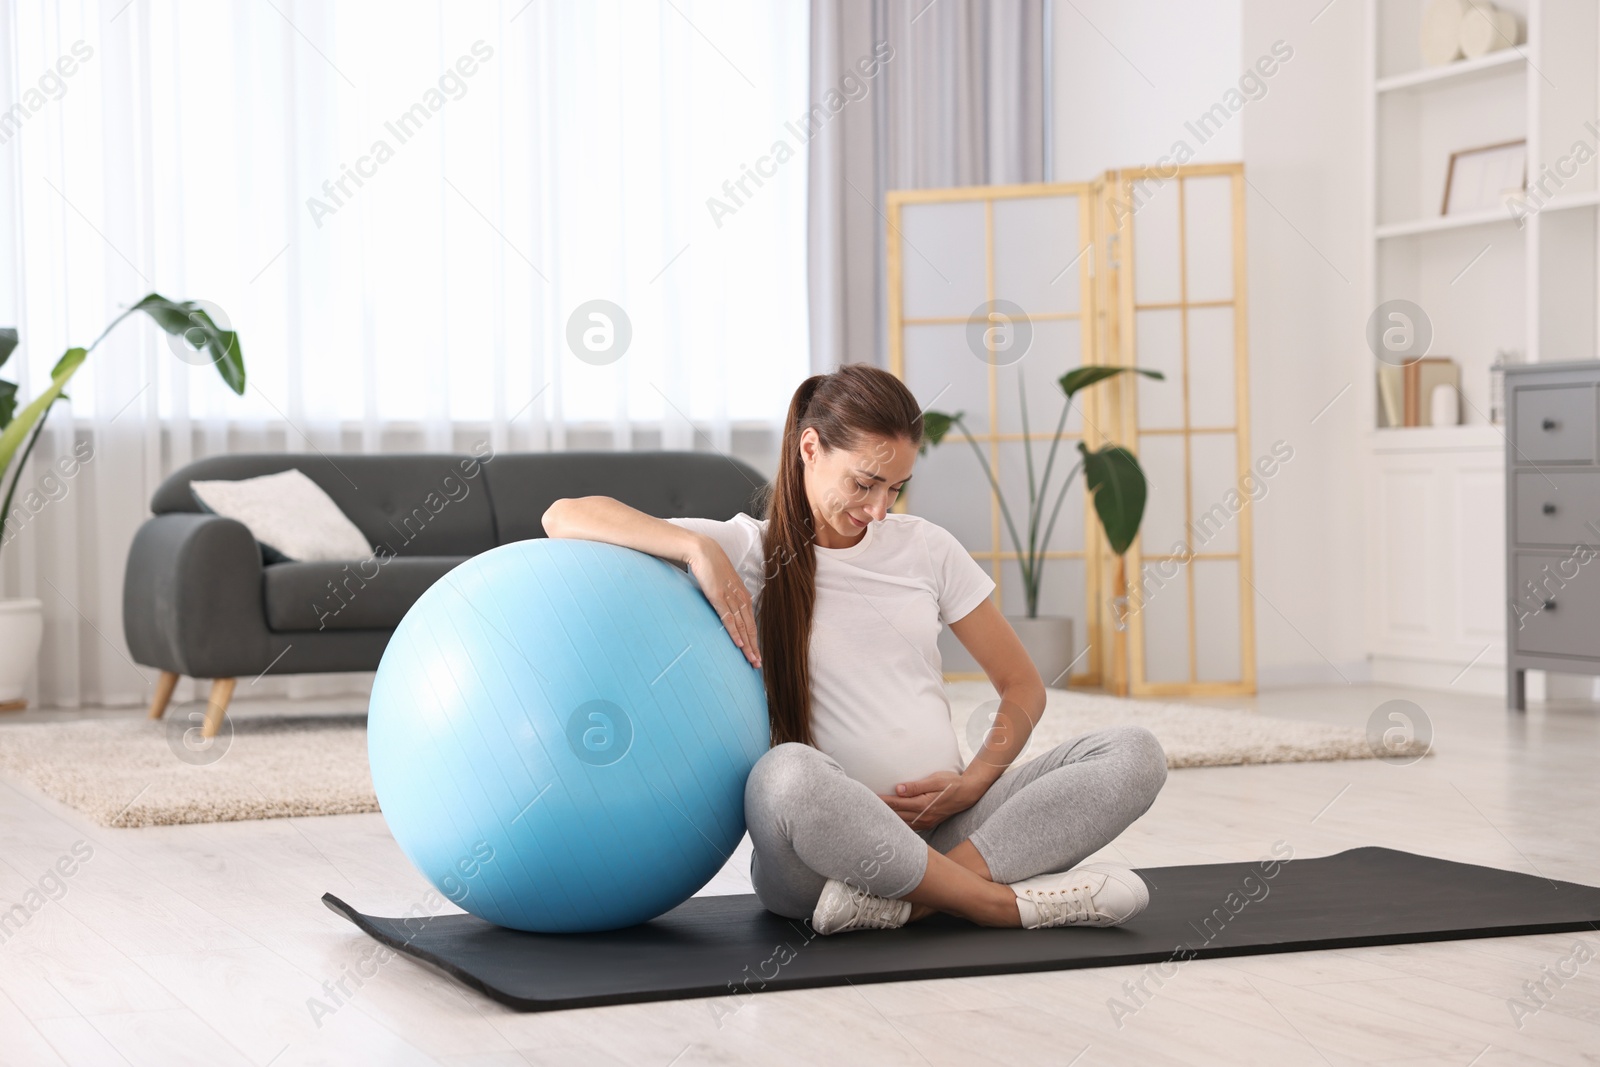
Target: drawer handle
(1549,509)
(1549,605)
(1548,424)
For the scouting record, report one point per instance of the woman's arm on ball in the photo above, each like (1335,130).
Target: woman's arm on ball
(602,518)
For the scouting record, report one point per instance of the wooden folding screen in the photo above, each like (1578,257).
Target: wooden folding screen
(994,293)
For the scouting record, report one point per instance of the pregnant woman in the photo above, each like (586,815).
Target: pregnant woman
(862,814)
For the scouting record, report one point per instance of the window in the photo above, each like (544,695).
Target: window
(400,207)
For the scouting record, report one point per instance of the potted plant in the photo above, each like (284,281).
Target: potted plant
(22,619)
(1115,481)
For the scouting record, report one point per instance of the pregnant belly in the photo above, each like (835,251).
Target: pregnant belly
(885,757)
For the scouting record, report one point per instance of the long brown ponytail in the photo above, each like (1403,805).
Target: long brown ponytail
(855,400)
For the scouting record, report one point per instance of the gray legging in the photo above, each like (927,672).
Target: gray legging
(809,821)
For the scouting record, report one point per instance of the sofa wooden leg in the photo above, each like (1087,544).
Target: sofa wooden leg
(217,705)
(164,687)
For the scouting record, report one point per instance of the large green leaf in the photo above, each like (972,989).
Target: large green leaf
(8,390)
(935,425)
(187,319)
(12,436)
(1116,482)
(1080,378)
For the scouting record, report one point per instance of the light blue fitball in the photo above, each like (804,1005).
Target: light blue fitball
(560,733)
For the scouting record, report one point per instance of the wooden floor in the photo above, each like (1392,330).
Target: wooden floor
(207,944)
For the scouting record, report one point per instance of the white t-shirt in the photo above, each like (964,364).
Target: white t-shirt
(878,702)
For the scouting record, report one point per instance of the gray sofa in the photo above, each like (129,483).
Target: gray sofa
(200,599)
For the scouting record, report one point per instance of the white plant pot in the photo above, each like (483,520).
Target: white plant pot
(21,631)
(1048,640)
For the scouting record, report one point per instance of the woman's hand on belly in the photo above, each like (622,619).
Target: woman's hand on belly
(929,801)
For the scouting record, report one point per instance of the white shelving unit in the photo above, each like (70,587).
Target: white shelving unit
(1460,71)
(1487,281)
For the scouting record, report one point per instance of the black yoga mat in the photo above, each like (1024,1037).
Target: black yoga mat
(728,946)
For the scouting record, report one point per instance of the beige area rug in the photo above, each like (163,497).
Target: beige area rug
(134,772)
(1193,736)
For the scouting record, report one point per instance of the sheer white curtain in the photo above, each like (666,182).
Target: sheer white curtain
(400,207)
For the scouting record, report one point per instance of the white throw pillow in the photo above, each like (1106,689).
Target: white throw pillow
(288,513)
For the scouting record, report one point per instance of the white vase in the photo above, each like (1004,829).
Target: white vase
(21,631)
(1444,406)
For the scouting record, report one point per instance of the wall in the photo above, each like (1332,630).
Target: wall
(1126,78)
(1304,153)
(1127,74)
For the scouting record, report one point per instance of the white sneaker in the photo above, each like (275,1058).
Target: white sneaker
(843,907)
(1096,894)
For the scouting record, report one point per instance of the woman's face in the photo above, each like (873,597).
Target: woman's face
(848,489)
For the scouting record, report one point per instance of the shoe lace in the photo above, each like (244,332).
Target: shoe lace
(1073,903)
(869,910)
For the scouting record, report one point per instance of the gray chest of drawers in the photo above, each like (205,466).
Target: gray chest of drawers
(1552,521)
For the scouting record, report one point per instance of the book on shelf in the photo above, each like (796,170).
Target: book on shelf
(1391,405)
(1404,392)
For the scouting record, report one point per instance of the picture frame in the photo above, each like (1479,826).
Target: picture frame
(1480,179)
